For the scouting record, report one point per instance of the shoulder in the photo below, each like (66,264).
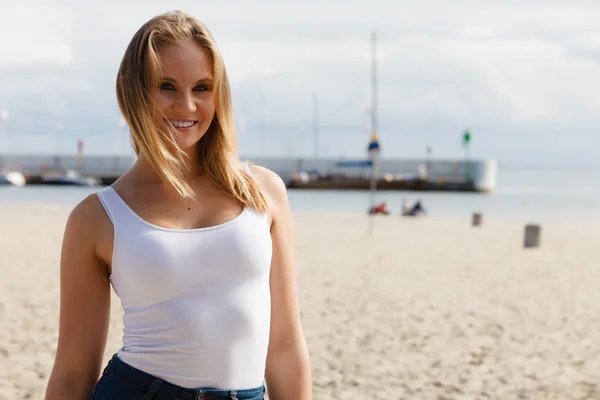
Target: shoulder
(88,213)
(272,184)
(272,187)
(88,210)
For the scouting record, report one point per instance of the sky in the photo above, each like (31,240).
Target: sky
(522,76)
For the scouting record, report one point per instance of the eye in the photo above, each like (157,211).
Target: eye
(166,86)
(201,88)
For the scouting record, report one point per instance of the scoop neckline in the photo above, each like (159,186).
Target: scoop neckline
(162,228)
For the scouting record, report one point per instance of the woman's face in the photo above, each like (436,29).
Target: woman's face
(185,92)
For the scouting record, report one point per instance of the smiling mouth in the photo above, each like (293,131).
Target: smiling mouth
(182,124)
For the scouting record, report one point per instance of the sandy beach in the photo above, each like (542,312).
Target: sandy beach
(419,309)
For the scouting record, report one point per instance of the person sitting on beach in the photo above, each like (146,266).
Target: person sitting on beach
(380,208)
(198,246)
(416,210)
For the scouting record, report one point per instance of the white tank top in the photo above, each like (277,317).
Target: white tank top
(196,301)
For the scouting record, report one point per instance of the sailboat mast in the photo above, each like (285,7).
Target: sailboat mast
(374,126)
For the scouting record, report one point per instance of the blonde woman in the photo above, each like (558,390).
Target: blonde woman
(197,245)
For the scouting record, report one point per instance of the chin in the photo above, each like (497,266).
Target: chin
(186,146)
(188,141)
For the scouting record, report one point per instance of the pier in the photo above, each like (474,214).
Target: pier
(297,172)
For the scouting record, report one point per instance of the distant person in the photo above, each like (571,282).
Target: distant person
(417,209)
(197,245)
(414,211)
(380,208)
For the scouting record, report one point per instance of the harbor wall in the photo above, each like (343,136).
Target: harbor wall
(483,172)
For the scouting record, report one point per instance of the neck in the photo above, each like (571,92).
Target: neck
(145,172)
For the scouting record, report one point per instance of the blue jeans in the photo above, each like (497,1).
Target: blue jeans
(121,381)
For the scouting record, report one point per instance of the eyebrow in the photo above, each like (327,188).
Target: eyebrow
(171,80)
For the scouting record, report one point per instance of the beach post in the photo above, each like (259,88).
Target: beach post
(532,236)
(477,219)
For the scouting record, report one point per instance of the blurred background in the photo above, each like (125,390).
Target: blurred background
(520,77)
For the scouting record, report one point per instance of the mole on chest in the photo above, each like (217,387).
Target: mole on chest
(187,216)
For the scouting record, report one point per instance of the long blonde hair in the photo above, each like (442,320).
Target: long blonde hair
(136,83)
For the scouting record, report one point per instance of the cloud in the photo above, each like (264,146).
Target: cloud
(36,33)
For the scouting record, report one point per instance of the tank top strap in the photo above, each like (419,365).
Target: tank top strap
(114,206)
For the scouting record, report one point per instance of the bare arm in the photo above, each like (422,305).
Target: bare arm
(84,306)
(288,374)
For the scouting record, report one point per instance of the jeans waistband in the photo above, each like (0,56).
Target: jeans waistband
(117,368)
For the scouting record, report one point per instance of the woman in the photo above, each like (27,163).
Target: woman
(198,246)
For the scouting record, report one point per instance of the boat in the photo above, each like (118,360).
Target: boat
(69,178)
(12,178)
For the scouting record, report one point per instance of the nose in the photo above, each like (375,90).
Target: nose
(185,103)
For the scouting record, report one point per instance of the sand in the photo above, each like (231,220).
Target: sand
(420,309)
